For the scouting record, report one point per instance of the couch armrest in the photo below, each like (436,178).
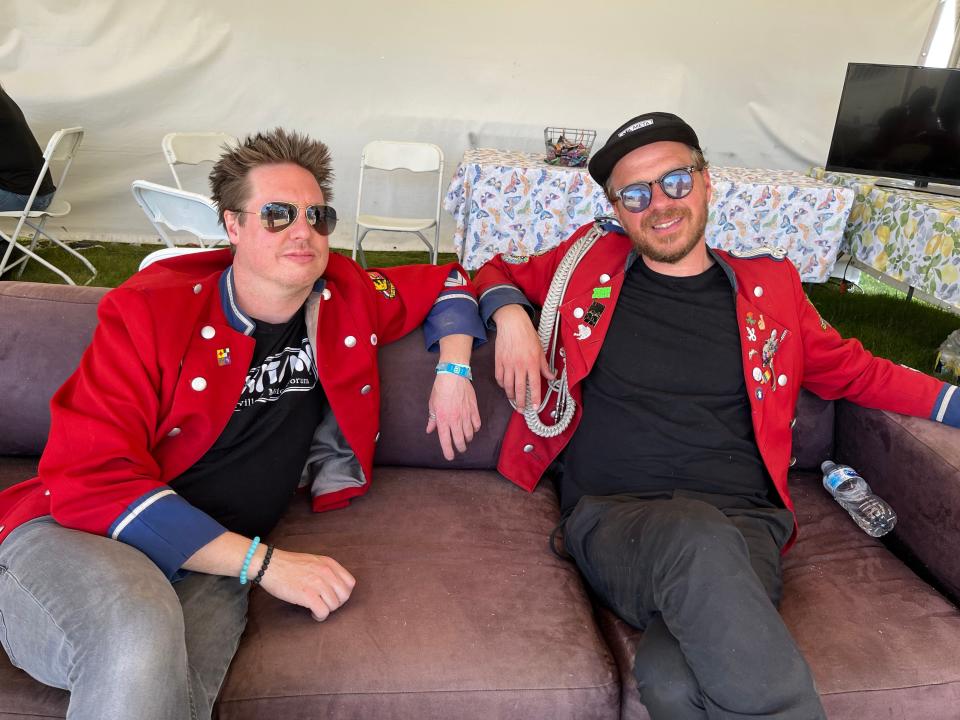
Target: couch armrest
(914,464)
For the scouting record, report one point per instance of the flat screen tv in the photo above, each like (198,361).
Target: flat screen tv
(899,121)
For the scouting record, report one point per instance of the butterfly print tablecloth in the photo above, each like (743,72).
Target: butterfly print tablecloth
(514,202)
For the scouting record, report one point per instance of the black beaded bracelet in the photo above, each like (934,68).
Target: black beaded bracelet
(263,568)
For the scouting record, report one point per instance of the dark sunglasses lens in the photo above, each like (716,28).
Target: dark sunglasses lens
(276,216)
(636,198)
(677,184)
(322,217)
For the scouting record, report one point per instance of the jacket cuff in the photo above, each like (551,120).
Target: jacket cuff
(165,528)
(495,297)
(454,313)
(946,409)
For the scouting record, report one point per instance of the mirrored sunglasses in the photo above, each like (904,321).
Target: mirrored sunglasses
(277,216)
(675,184)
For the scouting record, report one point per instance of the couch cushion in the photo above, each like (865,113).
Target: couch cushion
(880,641)
(460,610)
(44,329)
(813,435)
(406,376)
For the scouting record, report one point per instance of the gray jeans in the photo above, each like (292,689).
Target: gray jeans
(96,617)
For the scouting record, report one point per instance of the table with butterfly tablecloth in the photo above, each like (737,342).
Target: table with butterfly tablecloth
(514,202)
(910,236)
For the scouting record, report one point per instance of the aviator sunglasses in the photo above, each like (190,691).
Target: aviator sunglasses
(675,184)
(277,216)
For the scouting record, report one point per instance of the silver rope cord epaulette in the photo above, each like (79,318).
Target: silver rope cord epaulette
(549,332)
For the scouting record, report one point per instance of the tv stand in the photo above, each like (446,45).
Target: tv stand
(920,186)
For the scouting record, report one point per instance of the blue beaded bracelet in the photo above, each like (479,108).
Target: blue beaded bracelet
(247,559)
(455,369)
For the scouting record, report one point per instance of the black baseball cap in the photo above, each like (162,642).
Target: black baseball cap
(637,132)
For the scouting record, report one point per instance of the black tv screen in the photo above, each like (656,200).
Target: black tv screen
(899,121)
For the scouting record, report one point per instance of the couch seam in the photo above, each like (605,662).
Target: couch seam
(899,687)
(221,701)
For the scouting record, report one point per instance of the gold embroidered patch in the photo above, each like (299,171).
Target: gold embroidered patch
(383,285)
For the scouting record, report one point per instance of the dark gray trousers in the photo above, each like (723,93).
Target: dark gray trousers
(704,582)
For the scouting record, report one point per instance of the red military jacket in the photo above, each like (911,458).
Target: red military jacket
(785,345)
(164,371)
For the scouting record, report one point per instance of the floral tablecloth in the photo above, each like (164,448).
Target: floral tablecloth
(514,202)
(910,236)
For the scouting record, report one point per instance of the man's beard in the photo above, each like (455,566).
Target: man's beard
(676,250)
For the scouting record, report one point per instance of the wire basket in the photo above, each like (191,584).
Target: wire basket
(569,147)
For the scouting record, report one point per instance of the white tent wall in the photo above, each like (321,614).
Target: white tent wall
(759,80)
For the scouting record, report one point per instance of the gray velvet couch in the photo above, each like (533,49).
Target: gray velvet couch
(462,611)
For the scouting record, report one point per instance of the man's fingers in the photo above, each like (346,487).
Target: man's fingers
(431,425)
(456,432)
(467,427)
(520,390)
(545,368)
(508,384)
(445,445)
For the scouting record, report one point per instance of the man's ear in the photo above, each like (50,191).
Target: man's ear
(231,223)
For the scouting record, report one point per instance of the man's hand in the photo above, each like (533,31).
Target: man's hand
(453,413)
(315,582)
(519,358)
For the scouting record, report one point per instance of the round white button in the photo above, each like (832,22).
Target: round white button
(757,374)
(197,288)
(377,438)
(365,390)
(578,313)
(793,423)
(604,278)
(528,448)
(173,432)
(373,339)
(793,461)
(198,384)
(326,293)
(46,492)
(782,380)
(349,341)
(758,291)
(207,332)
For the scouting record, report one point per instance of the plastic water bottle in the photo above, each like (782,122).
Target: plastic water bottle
(870,512)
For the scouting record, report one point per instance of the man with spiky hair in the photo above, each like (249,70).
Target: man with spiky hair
(216,384)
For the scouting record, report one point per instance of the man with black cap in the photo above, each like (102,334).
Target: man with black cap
(676,369)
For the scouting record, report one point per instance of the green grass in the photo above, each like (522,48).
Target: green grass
(876,314)
(115,262)
(907,332)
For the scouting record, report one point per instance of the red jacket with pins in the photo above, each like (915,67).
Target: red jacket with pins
(770,304)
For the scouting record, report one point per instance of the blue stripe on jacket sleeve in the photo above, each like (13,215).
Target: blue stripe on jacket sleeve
(454,313)
(496,297)
(165,528)
(946,409)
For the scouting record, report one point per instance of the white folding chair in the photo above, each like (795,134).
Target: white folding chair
(171,209)
(194,149)
(415,157)
(169,252)
(61,149)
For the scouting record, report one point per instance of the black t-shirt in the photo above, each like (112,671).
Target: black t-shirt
(247,478)
(20,156)
(665,406)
